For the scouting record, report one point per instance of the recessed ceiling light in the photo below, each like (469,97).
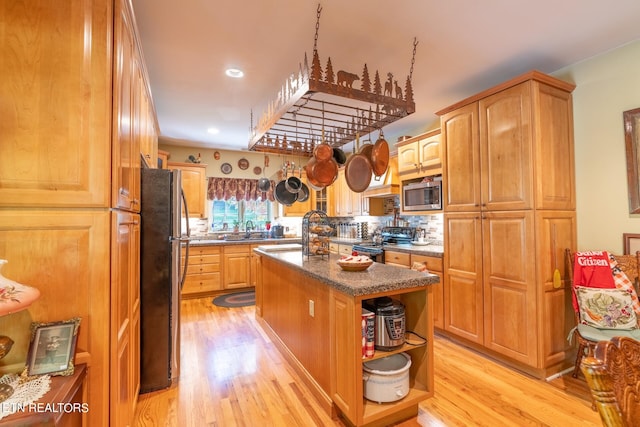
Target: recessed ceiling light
(234,72)
(213,131)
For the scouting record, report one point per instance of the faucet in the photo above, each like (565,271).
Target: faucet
(248,226)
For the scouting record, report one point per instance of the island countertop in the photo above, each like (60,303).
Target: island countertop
(376,279)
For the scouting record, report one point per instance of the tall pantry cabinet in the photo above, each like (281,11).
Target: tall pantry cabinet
(76,116)
(509,213)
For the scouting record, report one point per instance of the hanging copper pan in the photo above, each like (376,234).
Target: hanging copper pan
(357,171)
(323,172)
(380,156)
(323,151)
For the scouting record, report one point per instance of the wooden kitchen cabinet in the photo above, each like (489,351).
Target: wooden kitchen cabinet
(500,253)
(204,271)
(399,259)
(255,259)
(70,182)
(125,313)
(434,266)
(237,266)
(194,186)
(163,159)
(420,156)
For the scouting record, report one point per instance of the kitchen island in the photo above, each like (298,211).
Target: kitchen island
(312,311)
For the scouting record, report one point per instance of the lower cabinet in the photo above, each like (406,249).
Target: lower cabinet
(434,266)
(237,266)
(204,271)
(340,249)
(399,259)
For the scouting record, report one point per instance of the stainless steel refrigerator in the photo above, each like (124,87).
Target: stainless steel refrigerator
(161,277)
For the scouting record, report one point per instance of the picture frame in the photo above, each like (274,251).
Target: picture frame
(631,243)
(632,148)
(52,347)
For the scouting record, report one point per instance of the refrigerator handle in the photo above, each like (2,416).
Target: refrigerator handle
(186,249)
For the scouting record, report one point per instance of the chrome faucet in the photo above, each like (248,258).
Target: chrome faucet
(249,226)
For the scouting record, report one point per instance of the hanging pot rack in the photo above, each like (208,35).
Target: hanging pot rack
(316,106)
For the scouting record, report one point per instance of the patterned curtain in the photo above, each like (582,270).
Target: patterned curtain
(241,189)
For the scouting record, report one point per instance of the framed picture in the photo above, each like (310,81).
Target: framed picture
(632,148)
(631,243)
(52,347)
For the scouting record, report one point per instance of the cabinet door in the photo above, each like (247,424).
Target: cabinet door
(193,185)
(505,149)
(125,316)
(408,158)
(463,298)
(237,270)
(55,110)
(434,265)
(126,148)
(65,255)
(555,168)
(461,181)
(429,152)
(510,304)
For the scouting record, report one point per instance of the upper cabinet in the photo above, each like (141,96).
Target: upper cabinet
(420,155)
(55,108)
(194,186)
(513,150)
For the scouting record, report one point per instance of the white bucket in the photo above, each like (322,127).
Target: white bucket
(387,379)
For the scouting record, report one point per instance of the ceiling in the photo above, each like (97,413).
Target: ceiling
(463,47)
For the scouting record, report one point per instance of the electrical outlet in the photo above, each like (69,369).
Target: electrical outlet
(312,308)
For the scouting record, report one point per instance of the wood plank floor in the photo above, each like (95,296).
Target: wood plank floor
(232,375)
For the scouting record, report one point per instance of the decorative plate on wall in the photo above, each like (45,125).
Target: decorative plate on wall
(257,170)
(226,168)
(243,163)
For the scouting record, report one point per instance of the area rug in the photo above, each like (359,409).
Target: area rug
(236,299)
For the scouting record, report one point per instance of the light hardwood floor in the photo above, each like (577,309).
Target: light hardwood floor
(232,375)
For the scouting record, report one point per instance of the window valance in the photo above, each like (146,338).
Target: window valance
(240,188)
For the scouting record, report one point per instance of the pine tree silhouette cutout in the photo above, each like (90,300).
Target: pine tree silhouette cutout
(377,86)
(408,90)
(366,82)
(328,74)
(316,68)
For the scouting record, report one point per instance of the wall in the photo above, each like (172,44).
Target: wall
(606,85)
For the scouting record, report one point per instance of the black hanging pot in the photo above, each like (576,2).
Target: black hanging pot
(264,184)
(339,156)
(284,196)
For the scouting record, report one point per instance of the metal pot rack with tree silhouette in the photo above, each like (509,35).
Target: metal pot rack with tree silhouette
(316,105)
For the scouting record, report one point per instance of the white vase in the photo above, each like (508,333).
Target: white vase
(14,296)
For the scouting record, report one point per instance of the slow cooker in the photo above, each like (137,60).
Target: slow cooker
(389,324)
(386,379)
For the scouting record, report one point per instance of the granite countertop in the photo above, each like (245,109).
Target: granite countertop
(376,279)
(198,241)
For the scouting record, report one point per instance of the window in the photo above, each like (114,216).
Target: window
(231,212)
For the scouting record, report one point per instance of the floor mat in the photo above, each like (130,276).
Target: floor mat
(236,299)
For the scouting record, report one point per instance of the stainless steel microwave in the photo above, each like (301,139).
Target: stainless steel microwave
(425,195)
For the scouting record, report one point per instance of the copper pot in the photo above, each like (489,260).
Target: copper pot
(321,173)
(357,172)
(380,156)
(323,151)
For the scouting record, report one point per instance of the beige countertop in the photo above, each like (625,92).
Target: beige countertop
(376,279)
